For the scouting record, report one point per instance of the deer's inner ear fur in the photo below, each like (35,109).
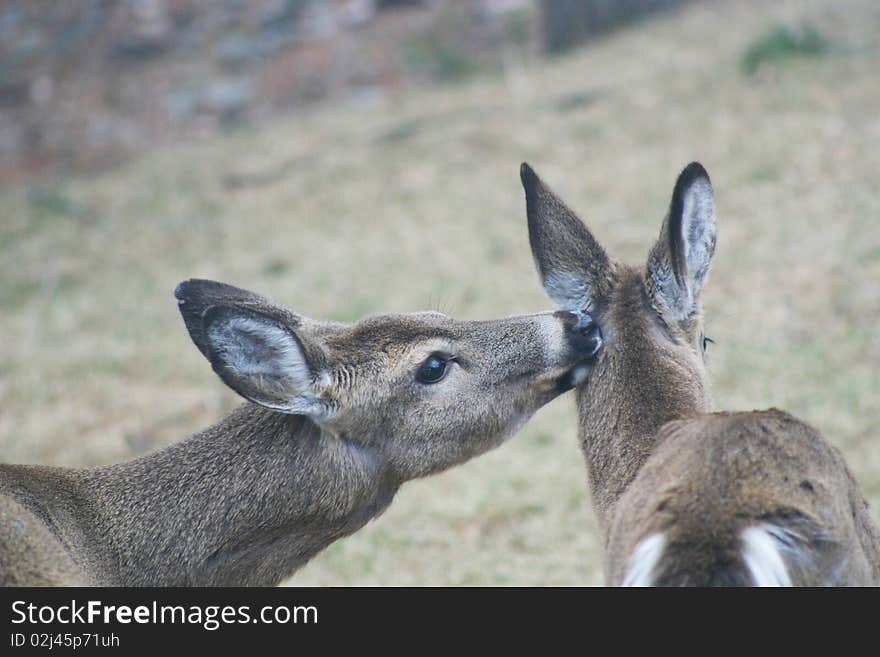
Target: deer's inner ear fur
(261,359)
(679,263)
(572,265)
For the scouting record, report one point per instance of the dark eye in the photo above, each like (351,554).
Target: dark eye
(433,369)
(707,341)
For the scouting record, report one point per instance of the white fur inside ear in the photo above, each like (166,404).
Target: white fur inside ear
(667,292)
(569,291)
(698,233)
(260,349)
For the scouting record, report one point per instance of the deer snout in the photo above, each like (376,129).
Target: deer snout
(582,332)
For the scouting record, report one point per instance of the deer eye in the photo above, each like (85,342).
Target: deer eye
(707,341)
(434,368)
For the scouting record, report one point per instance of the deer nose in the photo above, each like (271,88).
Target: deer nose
(583,333)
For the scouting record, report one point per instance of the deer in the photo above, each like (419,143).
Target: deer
(336,418)
(685,495)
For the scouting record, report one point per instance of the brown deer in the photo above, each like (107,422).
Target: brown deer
(685,496)
(339,417)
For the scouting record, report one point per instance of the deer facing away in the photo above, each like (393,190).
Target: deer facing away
(339,417)
(685,496)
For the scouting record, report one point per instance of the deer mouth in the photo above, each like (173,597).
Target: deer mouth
(574,377)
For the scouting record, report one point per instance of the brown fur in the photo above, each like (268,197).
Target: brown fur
(251,499)
(658,459)
(711,476)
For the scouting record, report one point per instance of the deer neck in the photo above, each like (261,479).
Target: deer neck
(643,381)
(246,502)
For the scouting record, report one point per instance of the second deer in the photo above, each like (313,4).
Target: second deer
(685,496)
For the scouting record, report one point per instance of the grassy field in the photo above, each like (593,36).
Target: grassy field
(417,204)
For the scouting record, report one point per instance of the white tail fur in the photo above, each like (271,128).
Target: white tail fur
(763,547)
(644,560)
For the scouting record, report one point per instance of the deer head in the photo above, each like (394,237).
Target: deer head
(420,390)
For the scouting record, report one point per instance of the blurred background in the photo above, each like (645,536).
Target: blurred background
(361,156)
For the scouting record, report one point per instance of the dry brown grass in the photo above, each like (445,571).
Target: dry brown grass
(418,204)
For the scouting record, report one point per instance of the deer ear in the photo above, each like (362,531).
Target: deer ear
(256,352)
(678,265)
(572,266)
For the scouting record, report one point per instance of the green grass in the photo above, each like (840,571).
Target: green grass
(784,42)
(336,221)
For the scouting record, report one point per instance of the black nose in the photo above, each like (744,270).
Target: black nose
(583,333)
